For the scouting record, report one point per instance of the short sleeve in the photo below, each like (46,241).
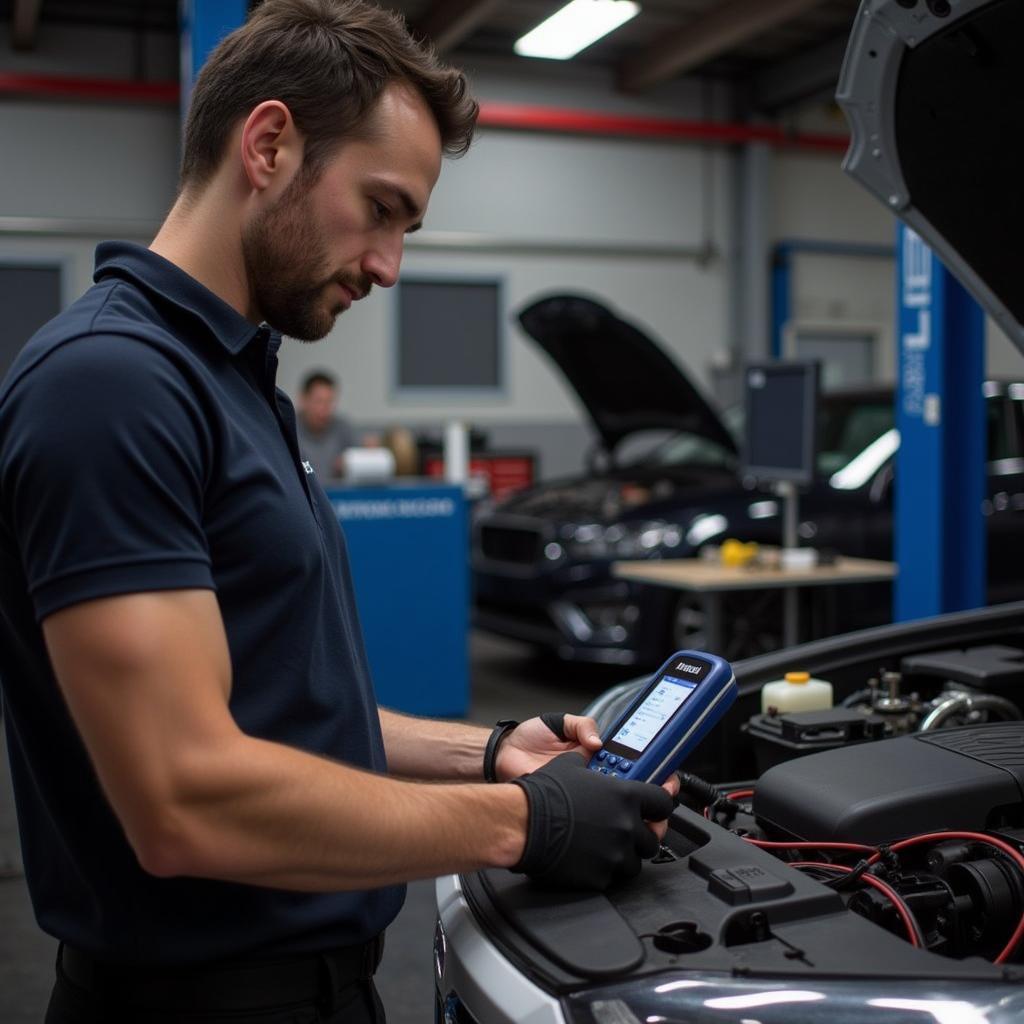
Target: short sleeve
(104,450)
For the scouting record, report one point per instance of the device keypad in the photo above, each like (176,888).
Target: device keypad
(614,764)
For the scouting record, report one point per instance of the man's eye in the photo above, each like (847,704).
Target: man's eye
(380,211)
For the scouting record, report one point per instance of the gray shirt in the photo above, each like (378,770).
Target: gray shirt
(322,450)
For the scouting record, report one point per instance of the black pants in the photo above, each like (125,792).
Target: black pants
(240,993)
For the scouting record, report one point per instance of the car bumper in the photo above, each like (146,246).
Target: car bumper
(474,983)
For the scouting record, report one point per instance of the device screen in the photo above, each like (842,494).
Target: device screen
(669,692)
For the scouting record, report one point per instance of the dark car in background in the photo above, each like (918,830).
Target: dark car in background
(542,558)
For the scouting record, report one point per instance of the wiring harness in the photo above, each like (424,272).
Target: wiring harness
(883,869)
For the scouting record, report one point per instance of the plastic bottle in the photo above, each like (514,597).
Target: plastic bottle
(456,452)
(797,691)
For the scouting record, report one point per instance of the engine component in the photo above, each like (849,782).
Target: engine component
(892,703)
(778,738)
(992,889)
(995,668)
(968,708)
(968,778)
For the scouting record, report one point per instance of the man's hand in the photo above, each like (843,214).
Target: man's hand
(531,745)
(585,830)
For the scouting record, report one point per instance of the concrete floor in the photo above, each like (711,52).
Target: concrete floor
(508,681)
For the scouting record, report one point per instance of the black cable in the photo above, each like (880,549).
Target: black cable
(702,792)
(850,880)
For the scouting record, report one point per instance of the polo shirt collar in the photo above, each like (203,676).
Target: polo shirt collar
(155,274)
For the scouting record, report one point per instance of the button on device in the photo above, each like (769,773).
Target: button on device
(601,755)
(625,766)
(613,760)
(595,767)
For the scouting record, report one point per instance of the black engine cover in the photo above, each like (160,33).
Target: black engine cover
(970,778)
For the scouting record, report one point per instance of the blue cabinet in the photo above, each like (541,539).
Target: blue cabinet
(409,548)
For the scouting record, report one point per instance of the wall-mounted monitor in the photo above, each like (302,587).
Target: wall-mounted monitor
(780,422)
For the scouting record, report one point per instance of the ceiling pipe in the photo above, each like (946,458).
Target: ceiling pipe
(25,23)
(103,89)
(706,37)
(585,122)
(511,116)
(447,22)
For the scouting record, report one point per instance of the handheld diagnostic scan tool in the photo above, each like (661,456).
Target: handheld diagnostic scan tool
(671,715)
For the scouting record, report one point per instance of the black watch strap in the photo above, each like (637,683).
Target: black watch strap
(498,733)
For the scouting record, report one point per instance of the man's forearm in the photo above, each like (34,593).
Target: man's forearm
(425,748)
(265,814)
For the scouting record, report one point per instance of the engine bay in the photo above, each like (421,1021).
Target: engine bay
(882,836)
(921,831)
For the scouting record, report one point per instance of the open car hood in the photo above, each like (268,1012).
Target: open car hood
(626,382)
(934,93)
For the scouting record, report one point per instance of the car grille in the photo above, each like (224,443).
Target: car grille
(508,544)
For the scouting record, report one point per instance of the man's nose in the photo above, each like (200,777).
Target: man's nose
(382,263)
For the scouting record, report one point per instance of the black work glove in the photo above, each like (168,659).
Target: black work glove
(586,830)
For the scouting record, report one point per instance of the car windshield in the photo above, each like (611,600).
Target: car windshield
(855,436)
(683,449)
(851,428)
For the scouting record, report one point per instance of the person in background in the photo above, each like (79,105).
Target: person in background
(323,433)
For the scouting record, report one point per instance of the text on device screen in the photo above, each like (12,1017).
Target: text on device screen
(664,700)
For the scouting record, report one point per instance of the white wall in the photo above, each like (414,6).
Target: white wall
(118,163)
(571,191)
(578,192)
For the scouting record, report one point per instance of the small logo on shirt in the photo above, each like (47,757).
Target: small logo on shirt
(308,468)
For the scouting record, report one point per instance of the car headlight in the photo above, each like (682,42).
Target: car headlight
(641,539)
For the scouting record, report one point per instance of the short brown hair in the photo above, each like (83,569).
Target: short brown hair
(328,61)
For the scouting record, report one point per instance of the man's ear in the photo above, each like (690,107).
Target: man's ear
(271,146)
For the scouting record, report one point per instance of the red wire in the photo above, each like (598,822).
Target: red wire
(764,844)
(877,883)
(928,837)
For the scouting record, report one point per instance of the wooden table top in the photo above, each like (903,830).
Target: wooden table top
(699,574)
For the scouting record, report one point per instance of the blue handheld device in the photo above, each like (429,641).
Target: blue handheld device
(671,715)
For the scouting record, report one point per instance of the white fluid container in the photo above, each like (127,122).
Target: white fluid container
(456,452)
(797,691)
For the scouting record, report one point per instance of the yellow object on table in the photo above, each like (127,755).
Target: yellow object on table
(735,553)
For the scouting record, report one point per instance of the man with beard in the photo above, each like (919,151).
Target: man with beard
(216,817)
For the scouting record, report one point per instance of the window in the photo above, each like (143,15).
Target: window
(29,296)
(449,335)
(846,356)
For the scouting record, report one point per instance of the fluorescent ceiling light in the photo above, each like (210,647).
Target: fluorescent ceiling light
(574,27)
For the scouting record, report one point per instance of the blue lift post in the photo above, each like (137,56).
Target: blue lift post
(939,528)
(204,23)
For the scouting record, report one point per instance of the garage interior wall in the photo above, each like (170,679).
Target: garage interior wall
(116,164)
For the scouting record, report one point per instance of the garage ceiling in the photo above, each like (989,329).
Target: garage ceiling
(777,51)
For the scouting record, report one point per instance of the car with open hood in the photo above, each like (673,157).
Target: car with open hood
(867,861)
(542,558)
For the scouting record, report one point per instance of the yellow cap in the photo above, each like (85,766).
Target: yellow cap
(798,677)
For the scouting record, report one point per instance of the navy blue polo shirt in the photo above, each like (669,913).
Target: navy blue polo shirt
(143,447)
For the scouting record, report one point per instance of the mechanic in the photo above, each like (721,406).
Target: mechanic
(323,433)
(216,819)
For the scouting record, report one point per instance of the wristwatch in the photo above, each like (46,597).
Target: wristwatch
(498,733)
